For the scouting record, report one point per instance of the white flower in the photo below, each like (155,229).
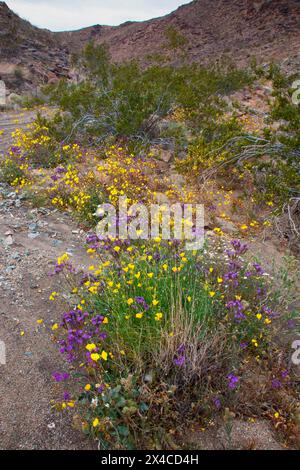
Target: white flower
(94,402)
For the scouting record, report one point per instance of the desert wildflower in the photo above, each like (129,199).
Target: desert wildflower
(104,355)
(53,296)
(139,315)
(95,357)
(63,259)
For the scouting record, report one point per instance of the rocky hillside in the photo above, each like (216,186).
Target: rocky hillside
(28,55)
(266,29)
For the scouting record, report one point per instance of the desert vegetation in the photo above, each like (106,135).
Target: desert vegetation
(158,339)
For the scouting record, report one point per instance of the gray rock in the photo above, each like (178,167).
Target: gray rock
(33,235)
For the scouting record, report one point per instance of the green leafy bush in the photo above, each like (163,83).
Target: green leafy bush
(128,101)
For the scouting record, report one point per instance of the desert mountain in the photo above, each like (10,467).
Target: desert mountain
(266,29)
(28,55)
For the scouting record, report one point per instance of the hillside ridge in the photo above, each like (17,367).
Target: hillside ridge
(241,29)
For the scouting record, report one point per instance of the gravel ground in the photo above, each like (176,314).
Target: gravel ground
(30,240)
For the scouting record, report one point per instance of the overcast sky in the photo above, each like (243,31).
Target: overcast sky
(59,15)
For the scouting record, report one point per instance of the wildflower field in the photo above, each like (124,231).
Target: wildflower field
(159,340)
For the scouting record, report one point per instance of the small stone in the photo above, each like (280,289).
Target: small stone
(28,354)
(34,286)
(33,235)
(33,227)
(56,243)
(9,240)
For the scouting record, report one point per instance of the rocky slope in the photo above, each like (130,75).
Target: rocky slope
(28,55)
(266,29)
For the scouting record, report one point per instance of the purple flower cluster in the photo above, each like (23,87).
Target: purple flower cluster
(239,248)
(142,302)
(60,376)
(59,268)
(276,384)
(237,308)
(234,266)
(97,320)
(179,359)
(58,173)
(74,317)
(233,381)
(217,402)
(69,346)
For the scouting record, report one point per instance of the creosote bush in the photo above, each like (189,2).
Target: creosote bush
(128,101)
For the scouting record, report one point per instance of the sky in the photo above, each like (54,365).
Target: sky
(61,15)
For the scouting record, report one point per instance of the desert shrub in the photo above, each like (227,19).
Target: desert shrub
(128,101)
(76,189)
(104,176)
(282,169)
(269,159)
(36,148)
(210,148)
(19,75)
(157,335)
(11,173)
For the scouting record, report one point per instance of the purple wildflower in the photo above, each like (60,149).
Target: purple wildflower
(60,377)
(232,381)
(179,361)
(217,402)
(141,301)
(276,383)
(67,396)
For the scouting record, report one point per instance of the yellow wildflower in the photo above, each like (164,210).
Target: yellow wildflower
(139,315)
(104,355)
(95,357)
